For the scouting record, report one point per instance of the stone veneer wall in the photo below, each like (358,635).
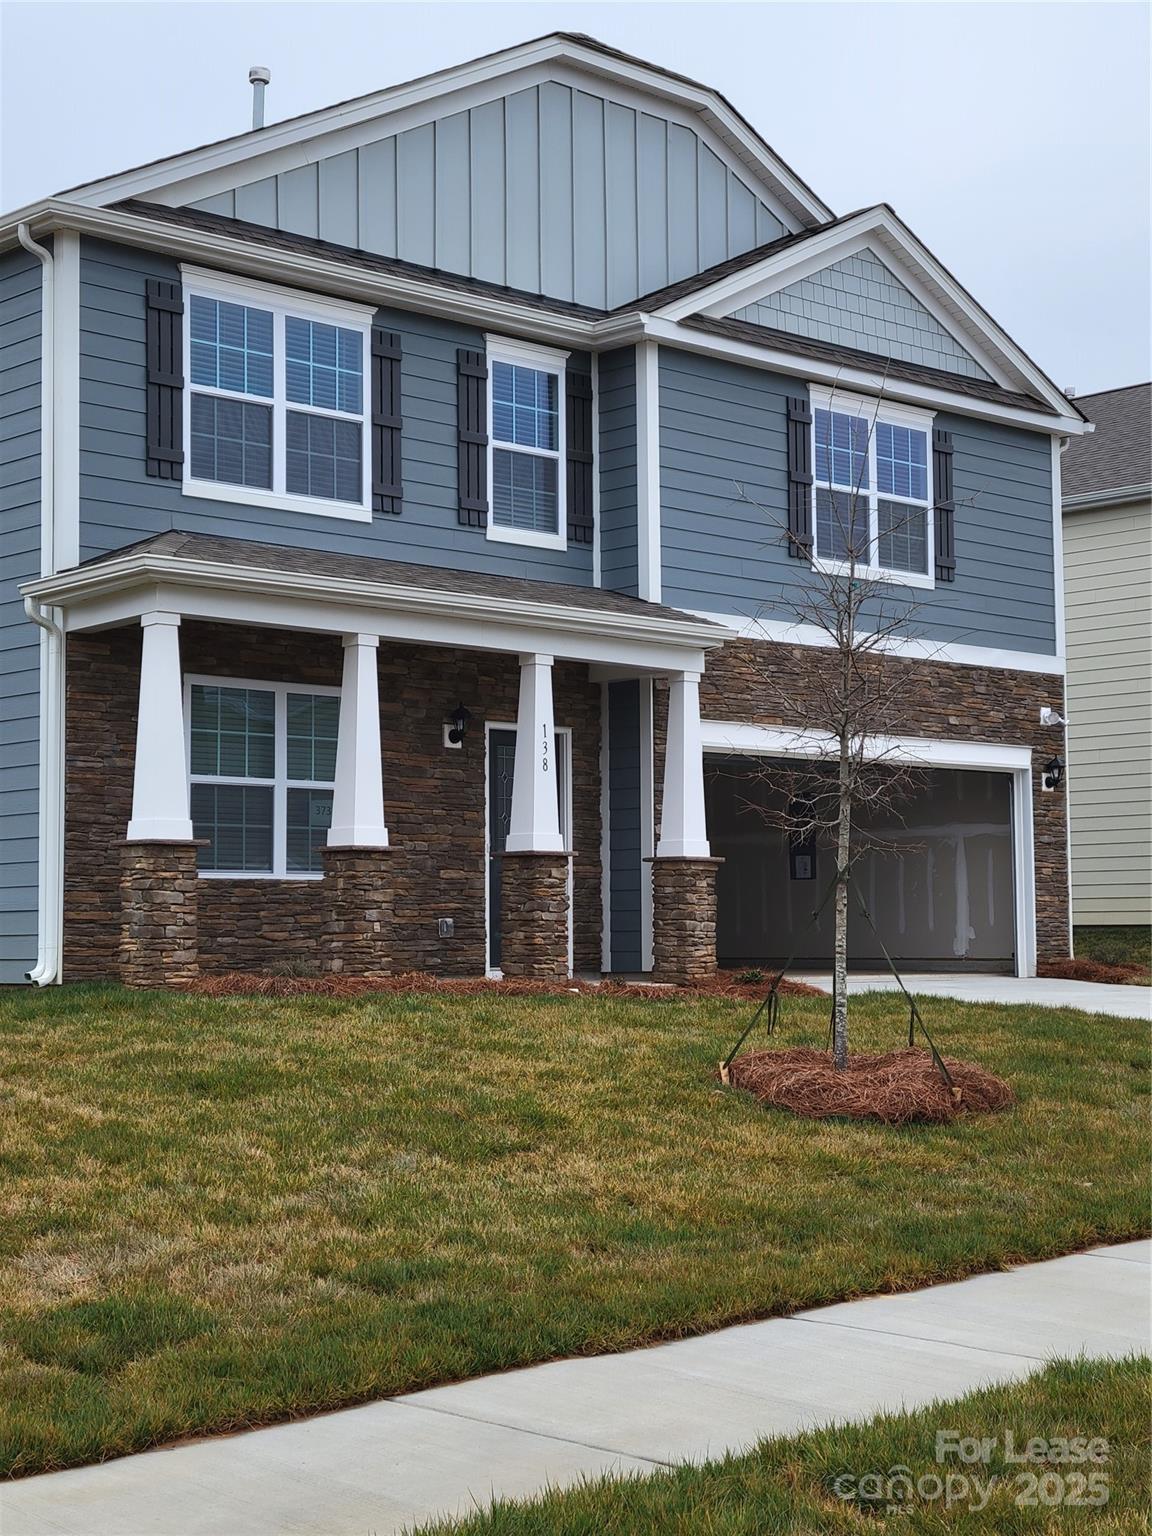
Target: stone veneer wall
(940,700)
(434,801)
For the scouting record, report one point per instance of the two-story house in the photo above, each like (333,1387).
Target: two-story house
(404,501)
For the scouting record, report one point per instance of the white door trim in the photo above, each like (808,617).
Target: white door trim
(562,732)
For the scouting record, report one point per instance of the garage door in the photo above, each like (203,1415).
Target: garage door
(940,889)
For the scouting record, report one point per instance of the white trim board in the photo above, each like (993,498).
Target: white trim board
(648,571)
(247,157)
(786,632)
(738,737)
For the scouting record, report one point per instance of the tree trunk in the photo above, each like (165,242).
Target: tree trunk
(840,966)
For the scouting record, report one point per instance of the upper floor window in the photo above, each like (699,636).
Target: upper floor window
(526,444)
(275,408)
(872,489)
(262,760)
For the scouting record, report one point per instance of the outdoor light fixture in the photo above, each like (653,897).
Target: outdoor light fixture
(1053,775)
(454,733)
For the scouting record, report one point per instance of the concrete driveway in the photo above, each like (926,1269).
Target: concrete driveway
(373,1471)
(1042,991)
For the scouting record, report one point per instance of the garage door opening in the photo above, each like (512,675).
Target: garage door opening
(940,890)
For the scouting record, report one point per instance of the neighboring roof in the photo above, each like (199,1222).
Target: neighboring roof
(823,351)
(365,261)
(251,554)
(793,191)
(1117,457)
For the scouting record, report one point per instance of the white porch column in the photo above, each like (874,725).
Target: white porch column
(358,796)
(535,820)
(683,834)
(160,779)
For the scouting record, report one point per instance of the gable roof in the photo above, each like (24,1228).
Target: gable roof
(158,179)
(1117,457)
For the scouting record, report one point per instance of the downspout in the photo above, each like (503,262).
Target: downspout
(50,870)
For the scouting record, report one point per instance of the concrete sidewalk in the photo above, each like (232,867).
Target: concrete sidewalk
(372,1471)
(1122,1002)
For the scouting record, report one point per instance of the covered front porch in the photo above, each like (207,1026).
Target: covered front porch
(287,761)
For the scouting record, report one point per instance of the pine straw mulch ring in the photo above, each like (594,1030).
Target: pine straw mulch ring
(896,1087)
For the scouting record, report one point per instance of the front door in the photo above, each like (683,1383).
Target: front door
(501,771)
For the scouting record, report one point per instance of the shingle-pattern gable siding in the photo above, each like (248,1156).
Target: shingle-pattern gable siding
(549,189)
(20,327)
(121,504)
(858,303)
(724,501)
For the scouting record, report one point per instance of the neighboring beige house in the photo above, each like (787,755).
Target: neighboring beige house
(1107,495)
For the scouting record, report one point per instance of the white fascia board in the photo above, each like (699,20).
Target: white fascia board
(911,262)
(923,751)
(299,141)
(867,381)
(790,632)
(325,603)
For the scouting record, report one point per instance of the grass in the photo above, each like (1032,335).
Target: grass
(225,1212)
(790,1486)
(1114,946)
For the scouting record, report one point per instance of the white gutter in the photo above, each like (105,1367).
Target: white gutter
(1118,496)
(50,778)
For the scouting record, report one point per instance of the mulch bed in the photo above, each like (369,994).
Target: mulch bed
(1092,970)
(897,1087)
(724,985)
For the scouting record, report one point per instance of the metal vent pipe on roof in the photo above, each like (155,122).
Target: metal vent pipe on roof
(258,78)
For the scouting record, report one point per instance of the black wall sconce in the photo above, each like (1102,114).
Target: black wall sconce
(1053,773)
(454,731)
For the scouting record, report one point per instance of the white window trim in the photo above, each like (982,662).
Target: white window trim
(520,354)
(282,302)
(893,414)
(279,784)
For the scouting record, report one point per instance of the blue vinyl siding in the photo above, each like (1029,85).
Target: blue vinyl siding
(625,845)
(724,467)
(618,527)
(121,504)
(19,638)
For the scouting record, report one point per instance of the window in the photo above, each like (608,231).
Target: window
(872,494)
(526,444)
(275,404)
(262,758)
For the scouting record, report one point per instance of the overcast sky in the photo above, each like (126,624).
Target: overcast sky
(1013,138)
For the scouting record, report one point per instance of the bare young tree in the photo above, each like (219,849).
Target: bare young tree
(851,700)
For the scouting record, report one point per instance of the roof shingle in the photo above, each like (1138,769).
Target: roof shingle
(1118,455)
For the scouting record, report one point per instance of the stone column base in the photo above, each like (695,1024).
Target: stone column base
(158,909)
(534,915)
(358,894)
(684,919)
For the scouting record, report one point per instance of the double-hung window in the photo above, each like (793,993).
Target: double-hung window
(275,403)
(526,444)
(262,759)
(872,491)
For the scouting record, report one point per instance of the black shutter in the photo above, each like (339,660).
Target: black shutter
(472,435)
(165,358)
(579,453)
(945,514)
(799,478)
(387,474)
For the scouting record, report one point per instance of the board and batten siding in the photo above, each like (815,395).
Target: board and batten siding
(20,331)
(121,504)
(616,388)
(1108,601)
(549,189)
(724,490)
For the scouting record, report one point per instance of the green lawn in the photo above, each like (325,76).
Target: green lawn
(225,1212)
(1114,946)
(789,1487)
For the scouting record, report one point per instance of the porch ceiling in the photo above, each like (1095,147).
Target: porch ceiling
(245,582)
